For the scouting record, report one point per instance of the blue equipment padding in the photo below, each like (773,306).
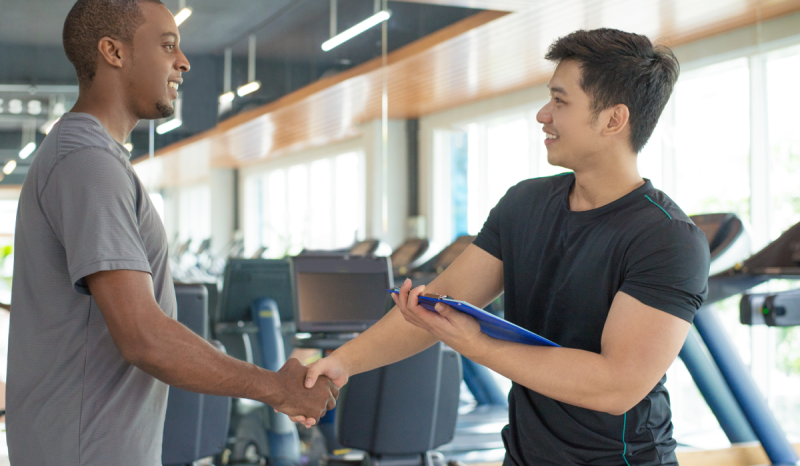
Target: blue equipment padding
(266,315)
(744,389)
(715,390)
(482,385)
(282,435)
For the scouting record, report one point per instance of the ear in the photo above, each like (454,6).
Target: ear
(111,51)
(617,118)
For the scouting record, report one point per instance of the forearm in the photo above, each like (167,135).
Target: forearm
(390,340)
(577,377)
(178,357)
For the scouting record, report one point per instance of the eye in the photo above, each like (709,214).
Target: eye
(558,101)
(170,47)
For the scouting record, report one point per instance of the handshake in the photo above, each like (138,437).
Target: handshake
(303,399)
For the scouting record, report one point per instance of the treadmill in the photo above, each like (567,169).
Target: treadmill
(723,379)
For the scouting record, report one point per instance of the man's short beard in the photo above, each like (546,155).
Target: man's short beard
(165,110)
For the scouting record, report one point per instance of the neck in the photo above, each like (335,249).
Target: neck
(598,186)
(110,107)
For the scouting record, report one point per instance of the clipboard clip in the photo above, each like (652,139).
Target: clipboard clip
(427,295)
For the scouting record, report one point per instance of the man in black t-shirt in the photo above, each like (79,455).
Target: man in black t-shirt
(596,260)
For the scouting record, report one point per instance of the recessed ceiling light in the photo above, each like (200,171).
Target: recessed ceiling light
(182,15)
(377,18)
(168,126)
(27,150)
(248,88)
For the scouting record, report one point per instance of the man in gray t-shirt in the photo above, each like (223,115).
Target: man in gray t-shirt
(93,339)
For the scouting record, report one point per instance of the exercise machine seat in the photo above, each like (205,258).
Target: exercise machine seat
(196,425)
(399,412)
(728,239)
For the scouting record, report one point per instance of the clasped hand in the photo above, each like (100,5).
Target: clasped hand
(301,403)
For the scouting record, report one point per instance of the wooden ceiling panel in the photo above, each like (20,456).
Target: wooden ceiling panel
(488,54)
(501,5)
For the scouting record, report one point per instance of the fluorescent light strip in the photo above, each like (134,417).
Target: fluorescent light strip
(27,150)
(248,88)
(10,166)
(377,18)
(168,126)
(226,97)
(181,16)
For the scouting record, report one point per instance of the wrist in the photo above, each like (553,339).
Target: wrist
(341,359)
(268,388)
(476,348)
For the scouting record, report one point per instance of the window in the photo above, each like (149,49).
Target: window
(484,160)
(194,213)
(315,205)
(712,139)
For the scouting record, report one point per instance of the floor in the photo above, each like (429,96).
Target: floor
(3,447)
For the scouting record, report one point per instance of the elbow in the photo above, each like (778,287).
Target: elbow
(137,352)
(619,403)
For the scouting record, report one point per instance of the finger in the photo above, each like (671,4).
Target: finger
(331,403)
(334,389)
(403,296)
(314,371)
(298,419)
(413,296)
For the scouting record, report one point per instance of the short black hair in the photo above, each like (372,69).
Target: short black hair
(622,68)
(89,21)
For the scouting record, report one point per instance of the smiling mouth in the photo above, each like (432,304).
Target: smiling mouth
(550,136)
(173,85)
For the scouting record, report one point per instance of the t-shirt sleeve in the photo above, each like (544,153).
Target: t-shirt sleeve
(668,270)
(489,237)
(90,202)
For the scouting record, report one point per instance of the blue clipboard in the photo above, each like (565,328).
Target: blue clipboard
(491,325)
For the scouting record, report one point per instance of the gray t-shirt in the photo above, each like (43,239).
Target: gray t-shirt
(72,399)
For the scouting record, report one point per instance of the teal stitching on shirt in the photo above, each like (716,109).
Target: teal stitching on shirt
(662,209)
(624,422)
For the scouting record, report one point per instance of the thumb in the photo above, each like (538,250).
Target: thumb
(314,371)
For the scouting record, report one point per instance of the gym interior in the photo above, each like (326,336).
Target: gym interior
(323,151)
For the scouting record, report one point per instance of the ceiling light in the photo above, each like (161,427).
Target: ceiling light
(181,16)
(27,150)
(34,107)
(10,166)
(128,146)
(248,88)
(168,126)
(377,18)
(226,97)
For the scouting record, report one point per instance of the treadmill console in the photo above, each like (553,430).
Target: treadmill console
(780,309)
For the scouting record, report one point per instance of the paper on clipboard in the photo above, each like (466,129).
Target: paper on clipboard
(491,325)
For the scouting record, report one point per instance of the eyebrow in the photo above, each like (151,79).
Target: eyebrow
(557,89)
(171,34)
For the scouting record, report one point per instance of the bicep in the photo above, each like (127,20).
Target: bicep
(641,342)
(127,303)
(475,277)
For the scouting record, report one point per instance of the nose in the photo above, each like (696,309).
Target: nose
(544,116)
(182,63)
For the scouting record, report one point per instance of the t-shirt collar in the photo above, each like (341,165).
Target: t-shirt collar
(620,203)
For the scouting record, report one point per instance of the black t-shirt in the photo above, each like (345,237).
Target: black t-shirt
(562,270)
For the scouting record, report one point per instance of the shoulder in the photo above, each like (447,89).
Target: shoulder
(77,131)
(661,224)
(81,148)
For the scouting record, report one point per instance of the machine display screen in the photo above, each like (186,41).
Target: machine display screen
(341,295)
